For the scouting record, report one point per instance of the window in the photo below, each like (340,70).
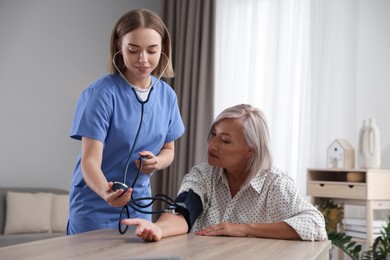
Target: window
(262,58)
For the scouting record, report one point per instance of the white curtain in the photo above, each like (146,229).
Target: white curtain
(276,55)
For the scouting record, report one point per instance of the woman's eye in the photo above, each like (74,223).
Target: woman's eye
(211,136)
(225,141)
(137,51)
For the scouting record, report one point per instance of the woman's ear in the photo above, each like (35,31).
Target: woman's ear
(251,152)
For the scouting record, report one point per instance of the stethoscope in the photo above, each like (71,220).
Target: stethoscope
(121,185)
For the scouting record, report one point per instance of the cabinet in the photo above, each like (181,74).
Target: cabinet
(371,189)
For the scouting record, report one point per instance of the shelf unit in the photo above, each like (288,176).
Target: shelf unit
(372,190)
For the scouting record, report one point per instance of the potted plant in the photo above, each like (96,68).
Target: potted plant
(379,250)
(333,213)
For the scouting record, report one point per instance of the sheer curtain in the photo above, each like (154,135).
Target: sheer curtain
(295,60)
(262,59)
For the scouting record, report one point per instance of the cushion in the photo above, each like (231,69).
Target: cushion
(59,216)
(28,212)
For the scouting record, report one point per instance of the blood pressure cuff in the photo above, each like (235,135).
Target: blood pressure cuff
(190,206)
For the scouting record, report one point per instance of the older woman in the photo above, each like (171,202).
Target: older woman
(238,192)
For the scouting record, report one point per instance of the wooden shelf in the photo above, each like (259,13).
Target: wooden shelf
(369,187)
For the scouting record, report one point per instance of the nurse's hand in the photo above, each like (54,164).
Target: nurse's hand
(150,162)
(145,229)
(114,198)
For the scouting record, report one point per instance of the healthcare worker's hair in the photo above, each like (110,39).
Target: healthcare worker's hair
(256,135)
(135,19)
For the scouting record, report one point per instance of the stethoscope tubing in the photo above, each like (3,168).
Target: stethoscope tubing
(138,207)
(133,202)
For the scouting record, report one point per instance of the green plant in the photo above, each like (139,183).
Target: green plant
(333,213)
(380,249)
(345,243)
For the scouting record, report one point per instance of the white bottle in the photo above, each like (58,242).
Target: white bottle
(372,151)
(362,146)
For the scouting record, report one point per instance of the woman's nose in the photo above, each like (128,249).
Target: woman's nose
(212,144)
(142,57)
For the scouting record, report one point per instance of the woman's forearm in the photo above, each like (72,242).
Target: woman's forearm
(94,178)
(277,230)
(166,155)
(91,158)
(172,225)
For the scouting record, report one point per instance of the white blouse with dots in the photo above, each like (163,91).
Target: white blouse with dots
(269,197)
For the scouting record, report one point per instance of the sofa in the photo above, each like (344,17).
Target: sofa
(29,214)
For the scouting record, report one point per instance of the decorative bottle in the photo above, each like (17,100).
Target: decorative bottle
(371,146)
(362,145)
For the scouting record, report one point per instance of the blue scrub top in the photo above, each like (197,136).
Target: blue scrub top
(108,111)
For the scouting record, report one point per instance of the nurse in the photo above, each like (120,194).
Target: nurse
(109,114)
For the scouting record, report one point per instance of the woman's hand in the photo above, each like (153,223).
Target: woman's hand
(145,229)
(157,162)
(114,198)
(150,162)
(224,229)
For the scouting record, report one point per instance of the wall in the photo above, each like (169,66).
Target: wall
(356,74)
(373,70)
(50,50)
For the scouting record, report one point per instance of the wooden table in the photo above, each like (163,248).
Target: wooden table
(109,244)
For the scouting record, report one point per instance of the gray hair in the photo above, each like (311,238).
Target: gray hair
(256,135)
